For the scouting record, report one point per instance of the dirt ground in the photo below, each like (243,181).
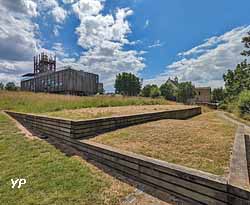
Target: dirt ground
(203,142)
(90,113)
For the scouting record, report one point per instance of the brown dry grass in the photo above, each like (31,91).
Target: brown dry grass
(116,189)
(90,113)
(203,142)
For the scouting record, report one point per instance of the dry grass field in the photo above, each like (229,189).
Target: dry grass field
(90,113)
(203,142)
(41,102)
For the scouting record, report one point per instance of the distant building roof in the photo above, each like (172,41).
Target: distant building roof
(28,75)
(172,82)
(203,88)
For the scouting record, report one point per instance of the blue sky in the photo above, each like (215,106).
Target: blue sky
(155,39)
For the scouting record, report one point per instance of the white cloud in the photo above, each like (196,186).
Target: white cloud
(48,3)
(87,8)
(18,40)
(59,14)
(52,7)
(109,60)
(59,50)
(56,30)
(27,7)
(17,33)
(11,71)
(156,44)
(104,37)
(205,64)
(96,28)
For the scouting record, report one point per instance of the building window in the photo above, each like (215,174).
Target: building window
(199,93)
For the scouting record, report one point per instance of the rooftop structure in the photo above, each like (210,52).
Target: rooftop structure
(65,81)
(44,63)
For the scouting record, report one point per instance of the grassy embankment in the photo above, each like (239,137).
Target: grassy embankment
(203,142)
(52,178)
(42,103)
(232,110)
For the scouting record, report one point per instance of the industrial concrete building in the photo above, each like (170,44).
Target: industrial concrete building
(66,81)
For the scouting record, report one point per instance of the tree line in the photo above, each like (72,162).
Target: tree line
(10,86)
(129,84)
(235,97)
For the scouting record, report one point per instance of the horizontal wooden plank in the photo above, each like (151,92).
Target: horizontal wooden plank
(239,175)
(132,169)
(40,117)
(200,177)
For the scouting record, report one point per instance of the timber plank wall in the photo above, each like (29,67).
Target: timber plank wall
(210,105)
(87,128)
(194,186)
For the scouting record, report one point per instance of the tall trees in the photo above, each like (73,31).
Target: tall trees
(146,91)
(10,86)
(246,41)
(237,85)
(1,86)
(244,102)
(127,84)
(171,90)
(168,91)
(130,85)
(150,91)
(218,95)
(154,91)
(239,79)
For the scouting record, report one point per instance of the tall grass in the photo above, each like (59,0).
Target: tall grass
(42,102)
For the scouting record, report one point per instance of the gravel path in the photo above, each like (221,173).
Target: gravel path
(226,117)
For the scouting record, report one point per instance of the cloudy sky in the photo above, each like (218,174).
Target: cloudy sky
(195,40)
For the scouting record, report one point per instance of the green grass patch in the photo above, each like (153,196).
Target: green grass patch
(233,110)
(52,177)
(41,102)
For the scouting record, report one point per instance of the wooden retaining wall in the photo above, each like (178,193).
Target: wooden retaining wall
(239,166)
(86,128)
(210,105)
(191,185)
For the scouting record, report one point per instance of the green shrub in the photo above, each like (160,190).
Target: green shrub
(168,91)
(223,106)
(155,92)
(244,102)
(233,106)
(146,91)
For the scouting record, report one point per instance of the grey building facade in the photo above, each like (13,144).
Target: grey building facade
(66,81)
